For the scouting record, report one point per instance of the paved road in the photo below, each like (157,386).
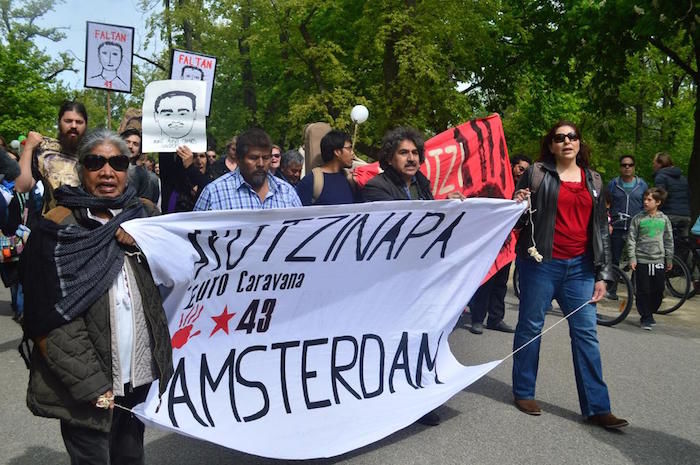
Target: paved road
(654,381)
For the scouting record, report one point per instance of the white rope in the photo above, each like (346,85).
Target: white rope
(543,332)
(123,408)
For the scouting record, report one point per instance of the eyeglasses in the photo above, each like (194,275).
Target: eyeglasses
(347,147)
(626,165)
(276,155)
(94,162)
(559,138)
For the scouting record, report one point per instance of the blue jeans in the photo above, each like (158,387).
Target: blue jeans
(571,282)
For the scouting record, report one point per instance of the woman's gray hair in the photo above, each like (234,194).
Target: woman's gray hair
(101,136)
(98,137)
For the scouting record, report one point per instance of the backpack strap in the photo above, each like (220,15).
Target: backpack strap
(318,184)
(350,176)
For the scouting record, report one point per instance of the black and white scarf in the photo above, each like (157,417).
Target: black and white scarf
(67,268)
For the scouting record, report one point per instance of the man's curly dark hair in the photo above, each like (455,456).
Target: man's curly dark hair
(393,138)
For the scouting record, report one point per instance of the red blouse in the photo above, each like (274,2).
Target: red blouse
(574,208)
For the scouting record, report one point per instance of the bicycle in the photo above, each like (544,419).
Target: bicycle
(688,250)
(677,285)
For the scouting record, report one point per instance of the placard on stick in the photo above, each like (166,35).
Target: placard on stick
(109,51)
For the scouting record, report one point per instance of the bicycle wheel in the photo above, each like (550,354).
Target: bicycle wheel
(677,287)
(516,282)
(611,311)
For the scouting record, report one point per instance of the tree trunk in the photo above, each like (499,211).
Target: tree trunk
(168,25)
(248,84)
(694,163)
(313,67)
(186,28)
(390,68)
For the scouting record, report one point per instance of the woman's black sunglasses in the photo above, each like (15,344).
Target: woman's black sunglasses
(94,162)
(559,138)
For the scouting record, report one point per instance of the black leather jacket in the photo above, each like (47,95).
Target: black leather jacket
(544,201)
(388,185)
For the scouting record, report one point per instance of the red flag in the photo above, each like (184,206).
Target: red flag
(472,158)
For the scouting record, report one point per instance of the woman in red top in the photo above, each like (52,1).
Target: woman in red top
(563,254)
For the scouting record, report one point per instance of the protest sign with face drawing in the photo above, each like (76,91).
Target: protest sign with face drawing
(173,116)
(108,56)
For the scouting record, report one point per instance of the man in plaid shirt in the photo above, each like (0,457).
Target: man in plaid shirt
(250,186)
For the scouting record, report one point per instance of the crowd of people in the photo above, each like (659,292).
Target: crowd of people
(100,335)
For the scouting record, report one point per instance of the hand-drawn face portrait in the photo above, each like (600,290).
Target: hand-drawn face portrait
(192,73)
(175,112)
(110,55)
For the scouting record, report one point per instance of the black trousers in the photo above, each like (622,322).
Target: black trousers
(649,284)
(123,445)
(490,298)
(618,239)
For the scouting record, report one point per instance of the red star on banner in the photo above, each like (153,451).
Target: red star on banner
(222,321)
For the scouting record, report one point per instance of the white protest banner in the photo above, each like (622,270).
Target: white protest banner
(194,67)
(173,115)
(109,51)
(310,332)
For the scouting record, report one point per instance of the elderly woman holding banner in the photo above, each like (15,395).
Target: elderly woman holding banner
(94,313)
(563,253)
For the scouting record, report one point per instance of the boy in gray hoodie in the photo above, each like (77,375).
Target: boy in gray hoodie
(650,250)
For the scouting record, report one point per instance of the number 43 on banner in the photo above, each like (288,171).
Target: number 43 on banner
(248,320)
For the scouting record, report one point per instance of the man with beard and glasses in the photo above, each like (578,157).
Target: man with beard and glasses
(250,186)
(54,161)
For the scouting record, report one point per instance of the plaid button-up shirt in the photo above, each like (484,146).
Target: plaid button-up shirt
(231,192)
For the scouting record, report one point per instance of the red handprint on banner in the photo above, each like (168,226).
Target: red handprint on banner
(184,334)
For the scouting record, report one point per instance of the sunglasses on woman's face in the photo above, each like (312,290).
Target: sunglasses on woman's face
(559,138)
(94,162)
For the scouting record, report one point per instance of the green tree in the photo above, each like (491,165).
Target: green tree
(29,90)
(605,33)
(285,63)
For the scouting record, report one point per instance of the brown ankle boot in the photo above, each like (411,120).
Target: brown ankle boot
(608,421)
(528,406)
